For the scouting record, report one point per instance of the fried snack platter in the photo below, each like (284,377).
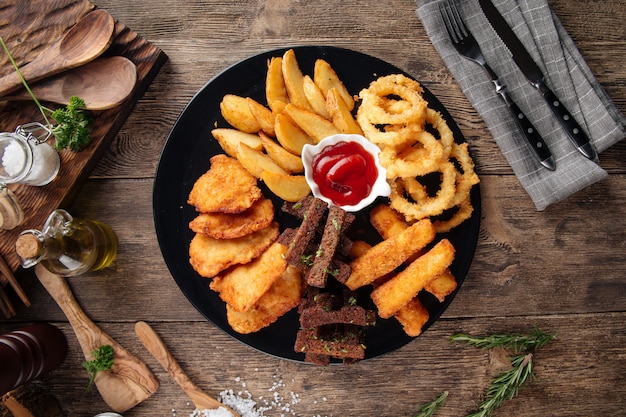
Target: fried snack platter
(185,158)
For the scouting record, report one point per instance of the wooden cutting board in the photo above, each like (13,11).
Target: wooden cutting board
(28,27)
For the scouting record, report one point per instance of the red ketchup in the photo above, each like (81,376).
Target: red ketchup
(345,173)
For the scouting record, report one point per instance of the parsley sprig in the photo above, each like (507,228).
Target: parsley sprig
(72,129)
(72,122)
(102,361)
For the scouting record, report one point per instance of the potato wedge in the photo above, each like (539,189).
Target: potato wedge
(290,136)
(340,115)
(275,90)
(283,158)
(326,78)
(313,124)
(229,140)
(236,112)
(315,97)
(294,80)
(401,289)
(256,161)
(292,188)
(263,115)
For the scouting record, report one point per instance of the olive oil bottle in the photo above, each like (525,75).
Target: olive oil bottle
(68,246)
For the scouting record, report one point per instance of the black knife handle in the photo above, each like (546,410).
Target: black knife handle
(575,133)
(531,134)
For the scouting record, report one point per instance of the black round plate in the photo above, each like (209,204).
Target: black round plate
(185,157)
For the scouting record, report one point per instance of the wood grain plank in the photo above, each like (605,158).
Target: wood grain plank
(585,357)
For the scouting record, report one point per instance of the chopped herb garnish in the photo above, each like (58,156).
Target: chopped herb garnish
(102,361)
(307,260)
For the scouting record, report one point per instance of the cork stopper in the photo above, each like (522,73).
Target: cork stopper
(28,246)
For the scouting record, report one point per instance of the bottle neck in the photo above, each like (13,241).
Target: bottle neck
(31,247)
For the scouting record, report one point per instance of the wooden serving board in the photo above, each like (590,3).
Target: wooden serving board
(28,27)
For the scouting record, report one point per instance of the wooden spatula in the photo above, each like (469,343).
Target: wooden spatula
(129,381)
(157,348)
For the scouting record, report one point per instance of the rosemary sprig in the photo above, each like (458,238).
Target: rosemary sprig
(506,385)
(517,342)
(429,409)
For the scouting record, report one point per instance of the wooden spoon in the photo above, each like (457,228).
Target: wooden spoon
(88,39)
(102,84)
(129,381)
(157,348)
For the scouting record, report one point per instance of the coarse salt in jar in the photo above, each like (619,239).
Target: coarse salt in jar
(26,160)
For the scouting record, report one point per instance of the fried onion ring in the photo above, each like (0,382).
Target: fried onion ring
(436,120)
(414,160)
(424,205)
(464,211)
(467,179)
(416,143)
(392,100)
(390,135)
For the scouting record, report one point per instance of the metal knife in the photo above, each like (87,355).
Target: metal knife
(524,61)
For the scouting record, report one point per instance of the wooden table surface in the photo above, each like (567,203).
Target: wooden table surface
(562,270)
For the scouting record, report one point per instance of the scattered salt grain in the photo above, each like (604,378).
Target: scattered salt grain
(242,402)
(245,407)
(218,412)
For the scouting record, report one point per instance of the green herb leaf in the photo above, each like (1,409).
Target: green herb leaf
(518,343)
(307,260)
(102,361)
(72,130)
(429,409)
(506,385)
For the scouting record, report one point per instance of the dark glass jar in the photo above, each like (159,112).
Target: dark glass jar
(29,353)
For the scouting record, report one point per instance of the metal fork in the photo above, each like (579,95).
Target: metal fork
(466,45)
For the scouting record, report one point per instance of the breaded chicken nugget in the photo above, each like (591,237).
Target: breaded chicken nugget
(227,187)
(283,295)
(234,225)
(209,256)
(243,285)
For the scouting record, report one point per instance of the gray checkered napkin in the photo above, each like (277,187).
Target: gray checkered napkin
(566,73)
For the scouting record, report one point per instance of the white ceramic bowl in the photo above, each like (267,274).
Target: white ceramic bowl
(380,187)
